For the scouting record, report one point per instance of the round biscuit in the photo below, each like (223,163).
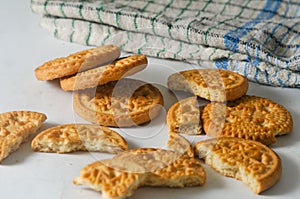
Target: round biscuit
(118,69)
(211,84)
(122,103)
(255,164)
(250,117)
(79,61)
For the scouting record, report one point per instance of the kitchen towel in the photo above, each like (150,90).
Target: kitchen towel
(259,39)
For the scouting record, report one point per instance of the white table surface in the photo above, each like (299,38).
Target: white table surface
(31,175)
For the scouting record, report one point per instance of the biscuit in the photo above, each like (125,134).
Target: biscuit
(144,160)
(15,128)
(122,103)
(179,144)
(98,76)
(183,172)
(160,165)
(79,61)
(119,177)
(79,137)
(185,117)
(210,84)
(251,162)
(249,117)
(112,182)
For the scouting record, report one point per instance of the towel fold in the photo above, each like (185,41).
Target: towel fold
(258,39)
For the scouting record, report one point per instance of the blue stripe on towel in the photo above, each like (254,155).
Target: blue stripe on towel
(295,82)
(245,69)
(231,39)
(267,69)
(287,32)
(288,79)
(277,27)
(222,64)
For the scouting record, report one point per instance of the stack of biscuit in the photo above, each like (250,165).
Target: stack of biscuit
(240,127)
(102,93)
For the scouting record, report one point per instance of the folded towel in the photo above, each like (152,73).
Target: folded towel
(258,39)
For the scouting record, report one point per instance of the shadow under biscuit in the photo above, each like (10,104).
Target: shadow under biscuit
(55,83)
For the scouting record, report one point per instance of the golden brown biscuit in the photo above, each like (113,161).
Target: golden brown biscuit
(249,117)
(185,117)
(253,163)
(98,76)
(179,144)
(112,182)
(76,62)
(79,137)
(122,103)
(120,176)
(211,84)
(183,172)
(16,127)
(142,160)
(159,165)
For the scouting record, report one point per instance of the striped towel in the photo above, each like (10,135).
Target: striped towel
(259,39)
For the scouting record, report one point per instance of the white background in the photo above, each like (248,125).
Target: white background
(30,175)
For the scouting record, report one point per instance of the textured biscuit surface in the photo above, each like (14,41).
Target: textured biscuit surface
(126,102)
(211,84)
(16,127)
(162,167)
(184,117)
(143,160)
(79,137)
(120,176)
(179,144)
(112,182)
(98,76)
(249,117)
(183,172)
(79,61)
(253,163)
